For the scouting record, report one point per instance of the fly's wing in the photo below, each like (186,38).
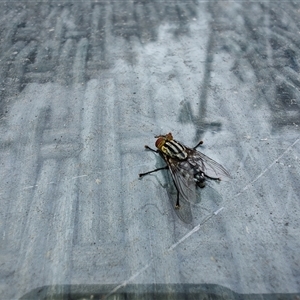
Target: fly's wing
(183,176)
(208,166)
(184,213)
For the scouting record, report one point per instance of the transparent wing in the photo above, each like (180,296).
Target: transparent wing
(184,213)
(208,166)
(183,176)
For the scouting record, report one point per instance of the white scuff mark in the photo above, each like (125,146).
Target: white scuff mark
(247,230)
(124,283)
(267,168)
(79,176)
(219,210)
(195,229)
(29,187)
(36,185)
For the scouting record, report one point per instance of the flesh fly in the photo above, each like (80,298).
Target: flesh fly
(189,168)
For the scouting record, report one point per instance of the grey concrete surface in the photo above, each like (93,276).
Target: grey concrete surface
(84,85)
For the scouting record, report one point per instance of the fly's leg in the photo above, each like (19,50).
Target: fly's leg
(200,179)
(200,143)
(212,178)
(163,168)
(147,147)
(177,206)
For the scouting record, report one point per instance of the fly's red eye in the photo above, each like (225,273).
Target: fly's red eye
(160,142)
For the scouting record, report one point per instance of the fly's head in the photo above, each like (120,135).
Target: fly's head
(162,139)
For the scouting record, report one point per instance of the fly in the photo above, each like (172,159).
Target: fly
(189,168)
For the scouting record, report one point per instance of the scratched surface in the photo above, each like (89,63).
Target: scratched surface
(85,85)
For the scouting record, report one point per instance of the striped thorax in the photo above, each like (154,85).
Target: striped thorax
(168,146)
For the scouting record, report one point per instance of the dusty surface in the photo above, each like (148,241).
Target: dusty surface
(84,86)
